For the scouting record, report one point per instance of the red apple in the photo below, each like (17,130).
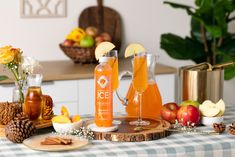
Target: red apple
(188,115)
(169,112)
(99,40)
(106,36)
(68,42)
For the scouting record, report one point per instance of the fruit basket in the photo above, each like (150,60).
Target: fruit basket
(96,24)
(79,54)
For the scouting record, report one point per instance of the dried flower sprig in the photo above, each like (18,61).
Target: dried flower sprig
(189,129)
(82,132)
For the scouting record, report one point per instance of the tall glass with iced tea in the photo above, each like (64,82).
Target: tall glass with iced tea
(33,100)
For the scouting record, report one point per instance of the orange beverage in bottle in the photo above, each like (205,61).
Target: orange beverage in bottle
(151,101)
(140,72)
(113,62)
(103,94)
(33,103)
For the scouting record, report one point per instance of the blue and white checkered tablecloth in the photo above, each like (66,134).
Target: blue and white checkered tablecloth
(180,144)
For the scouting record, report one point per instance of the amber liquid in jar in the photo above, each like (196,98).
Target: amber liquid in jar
(33,103)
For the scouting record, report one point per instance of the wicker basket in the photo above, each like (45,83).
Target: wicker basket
(79,54)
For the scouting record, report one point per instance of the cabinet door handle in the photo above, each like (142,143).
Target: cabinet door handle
(7,85)
(47,83)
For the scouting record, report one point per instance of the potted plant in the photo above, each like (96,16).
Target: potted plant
(209,39)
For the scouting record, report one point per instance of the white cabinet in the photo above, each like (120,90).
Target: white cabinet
(166,85)
(86,99)
(62,93)
(79,95)
(6,92)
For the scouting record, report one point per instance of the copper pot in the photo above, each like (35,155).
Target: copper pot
(201,83)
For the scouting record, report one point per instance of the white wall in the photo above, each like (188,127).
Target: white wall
(143,21)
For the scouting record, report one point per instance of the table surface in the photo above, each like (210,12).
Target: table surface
(67,70)
(180,144)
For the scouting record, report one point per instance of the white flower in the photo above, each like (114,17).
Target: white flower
(29,64)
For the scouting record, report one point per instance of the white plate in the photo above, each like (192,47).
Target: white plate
(34,142)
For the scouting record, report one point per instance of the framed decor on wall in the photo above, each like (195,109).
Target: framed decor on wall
(43,8)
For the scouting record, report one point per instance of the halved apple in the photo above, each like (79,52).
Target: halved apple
(208,111)
(207,102)
(220,105)
(103,48)
(133,49)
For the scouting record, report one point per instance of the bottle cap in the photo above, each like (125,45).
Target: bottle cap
(103,59)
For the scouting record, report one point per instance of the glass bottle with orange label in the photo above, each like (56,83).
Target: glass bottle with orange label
(103,94)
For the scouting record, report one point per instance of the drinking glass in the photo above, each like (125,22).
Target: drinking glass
(113,62)
(140,83)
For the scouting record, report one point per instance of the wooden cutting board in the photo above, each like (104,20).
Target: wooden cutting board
(126,132)
(39,125)
(105,19)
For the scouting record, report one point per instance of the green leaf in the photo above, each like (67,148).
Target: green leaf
(229,73)
(220,15)
(228,46)
(204,3)
(3,77)
(180,6)
(196,31)
(180,48)
(200,59)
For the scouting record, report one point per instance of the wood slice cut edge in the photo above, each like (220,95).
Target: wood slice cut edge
(151,133)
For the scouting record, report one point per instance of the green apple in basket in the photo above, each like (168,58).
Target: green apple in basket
(87,41)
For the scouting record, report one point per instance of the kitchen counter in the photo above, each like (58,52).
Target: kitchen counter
(67,70)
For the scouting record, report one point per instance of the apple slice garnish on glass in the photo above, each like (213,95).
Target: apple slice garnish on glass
(103,48)
(134,48)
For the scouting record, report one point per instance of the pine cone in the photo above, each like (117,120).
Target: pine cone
(231,129)
(8,111)
(21,116)
(219,127)
(19,129)
(47,111)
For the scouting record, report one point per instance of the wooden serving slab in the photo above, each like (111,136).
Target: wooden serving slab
(38,124)
(126,132)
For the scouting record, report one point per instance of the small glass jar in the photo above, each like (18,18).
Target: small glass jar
(33,100)
(19,91)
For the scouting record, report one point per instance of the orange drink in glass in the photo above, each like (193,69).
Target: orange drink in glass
(140,83)
(113,62)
